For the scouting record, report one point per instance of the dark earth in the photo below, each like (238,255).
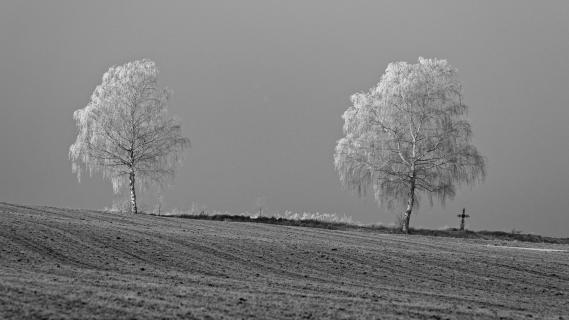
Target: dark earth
(82,264)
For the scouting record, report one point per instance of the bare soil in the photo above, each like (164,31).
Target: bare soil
(81,264)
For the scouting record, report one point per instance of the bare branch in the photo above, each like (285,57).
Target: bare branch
(125,130)
(409,133)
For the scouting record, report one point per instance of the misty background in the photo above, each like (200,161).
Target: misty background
(260,87)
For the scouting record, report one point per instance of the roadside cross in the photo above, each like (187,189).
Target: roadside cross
(462,217)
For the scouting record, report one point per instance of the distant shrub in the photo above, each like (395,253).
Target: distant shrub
(336,222)
(198,211)
(317,216)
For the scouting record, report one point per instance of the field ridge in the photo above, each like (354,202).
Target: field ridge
(314,223)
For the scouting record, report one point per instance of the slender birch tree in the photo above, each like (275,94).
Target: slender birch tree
(409,136)
(125,132)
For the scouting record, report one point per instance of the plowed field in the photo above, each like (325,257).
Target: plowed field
(80,264)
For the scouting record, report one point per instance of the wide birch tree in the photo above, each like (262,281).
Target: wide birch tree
(125,132)
(409,136)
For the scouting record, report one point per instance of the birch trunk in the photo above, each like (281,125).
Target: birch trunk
(410,203)
(133,208)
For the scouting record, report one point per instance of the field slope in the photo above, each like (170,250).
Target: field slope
(80,264)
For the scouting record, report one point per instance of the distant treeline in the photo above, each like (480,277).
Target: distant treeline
(451,232)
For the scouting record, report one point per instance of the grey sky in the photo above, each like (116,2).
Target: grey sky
(261,85)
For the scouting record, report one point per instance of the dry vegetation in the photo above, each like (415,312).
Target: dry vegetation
(333,222)
(81,264)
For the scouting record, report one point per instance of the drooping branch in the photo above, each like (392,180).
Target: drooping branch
(125,130)
(409,132)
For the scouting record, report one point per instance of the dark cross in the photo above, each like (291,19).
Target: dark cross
(462,217)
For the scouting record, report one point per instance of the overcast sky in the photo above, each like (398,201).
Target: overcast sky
(261,85)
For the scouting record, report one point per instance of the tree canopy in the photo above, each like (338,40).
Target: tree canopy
(409,135)
(126,131)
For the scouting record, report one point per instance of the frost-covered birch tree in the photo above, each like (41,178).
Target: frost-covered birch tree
(125,132)
(409,136)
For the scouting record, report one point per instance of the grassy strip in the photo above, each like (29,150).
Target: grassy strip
(453,233)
